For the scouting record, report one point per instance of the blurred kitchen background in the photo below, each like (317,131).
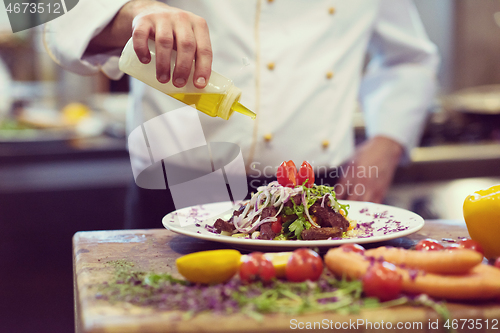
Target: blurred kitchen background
(64,165)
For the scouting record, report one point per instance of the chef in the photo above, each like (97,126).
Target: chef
(303,67)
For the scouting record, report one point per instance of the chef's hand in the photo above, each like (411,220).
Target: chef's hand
(170,28)
(369,174)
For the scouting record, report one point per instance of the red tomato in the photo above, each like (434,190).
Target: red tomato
(382,281)
(277,225)
(257,266)
(287,174)
(306,172)
(353,248)
(304,264)
(471,245)
(497,263)
(267,270)
(249,269)
(428,245)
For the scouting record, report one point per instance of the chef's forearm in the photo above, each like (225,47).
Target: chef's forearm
(119,30)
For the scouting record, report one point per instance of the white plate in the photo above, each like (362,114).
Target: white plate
(376,223)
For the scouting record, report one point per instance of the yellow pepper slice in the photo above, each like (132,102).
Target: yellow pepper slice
(482,216)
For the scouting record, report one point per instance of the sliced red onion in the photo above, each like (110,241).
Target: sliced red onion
(335,205)
(262,206)
(257,224)
(278,197)
(237,222)
(323,200)
(306,210)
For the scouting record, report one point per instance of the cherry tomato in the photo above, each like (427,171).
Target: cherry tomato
(256,266)
(306,172)
(382,281)
(277,225)
(304,264)
(428,245)
(287,174)
(353,248)
(497,263)
(471,245)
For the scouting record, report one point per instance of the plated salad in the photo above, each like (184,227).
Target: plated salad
(291,208)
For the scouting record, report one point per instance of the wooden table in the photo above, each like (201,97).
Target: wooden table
(157,249)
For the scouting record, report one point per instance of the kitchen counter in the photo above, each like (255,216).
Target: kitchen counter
(451,161)
(157,249)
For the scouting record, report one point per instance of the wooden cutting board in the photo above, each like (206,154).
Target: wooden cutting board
(157,249)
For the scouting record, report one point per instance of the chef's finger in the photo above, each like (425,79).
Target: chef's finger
(140,35)
(356,190)
(352,195)
(203,63)
(376,195)
(164,43)
(186,48)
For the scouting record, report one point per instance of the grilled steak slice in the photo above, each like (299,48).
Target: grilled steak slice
(239,211)
(327,217)
(321,233)
(266,232)
(269,211)
(286,218)
(296,198)
(221,225)
(236,213)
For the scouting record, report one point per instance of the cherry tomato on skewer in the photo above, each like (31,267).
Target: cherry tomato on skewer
(256,266)
(304,264)
(353,248)
(382,281)
(428,245)
(471,245)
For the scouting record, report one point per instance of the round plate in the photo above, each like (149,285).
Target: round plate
(375,223)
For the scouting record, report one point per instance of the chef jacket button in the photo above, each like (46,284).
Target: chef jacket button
(325,143)
(331,10)
(268,137)
(329,75)
(270,66)
(270,1)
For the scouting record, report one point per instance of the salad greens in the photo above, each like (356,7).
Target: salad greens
(312,194)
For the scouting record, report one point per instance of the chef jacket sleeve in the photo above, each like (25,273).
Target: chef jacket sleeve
(66,38)
(400,79)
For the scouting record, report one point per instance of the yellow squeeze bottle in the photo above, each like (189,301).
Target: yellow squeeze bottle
(220,98)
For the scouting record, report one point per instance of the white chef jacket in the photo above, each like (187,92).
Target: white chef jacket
(300,65)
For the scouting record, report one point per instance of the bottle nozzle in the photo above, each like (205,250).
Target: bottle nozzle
(243,110)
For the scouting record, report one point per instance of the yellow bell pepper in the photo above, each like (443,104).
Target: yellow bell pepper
(482,216)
